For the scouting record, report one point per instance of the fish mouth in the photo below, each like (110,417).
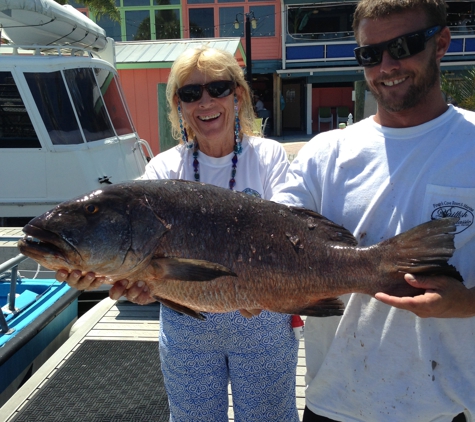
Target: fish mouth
(39,243)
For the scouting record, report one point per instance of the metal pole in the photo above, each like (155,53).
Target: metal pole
(11,301)
(248,52)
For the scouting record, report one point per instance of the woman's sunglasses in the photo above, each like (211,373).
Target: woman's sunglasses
(398,48)
(216,89)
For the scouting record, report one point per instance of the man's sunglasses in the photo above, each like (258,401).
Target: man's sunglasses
(398,48)
(216,89)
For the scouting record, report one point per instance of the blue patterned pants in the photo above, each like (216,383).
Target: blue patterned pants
(257,356)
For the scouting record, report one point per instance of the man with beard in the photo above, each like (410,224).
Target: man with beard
(389,358)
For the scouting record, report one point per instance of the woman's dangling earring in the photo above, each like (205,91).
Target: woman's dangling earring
(237,127)
(184,135)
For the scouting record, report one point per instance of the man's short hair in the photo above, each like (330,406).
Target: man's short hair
(435,10)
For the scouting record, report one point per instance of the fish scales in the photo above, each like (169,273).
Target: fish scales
(201,248)
(229,236)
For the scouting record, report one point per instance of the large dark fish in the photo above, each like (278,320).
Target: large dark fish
(201,248)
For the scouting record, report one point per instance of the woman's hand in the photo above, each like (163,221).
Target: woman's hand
(137,292)
(75,279)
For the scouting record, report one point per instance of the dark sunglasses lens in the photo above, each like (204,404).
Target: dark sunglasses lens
(415,43)
(399,48)
(368,56)
(406,46)
(190,93)
(220,89)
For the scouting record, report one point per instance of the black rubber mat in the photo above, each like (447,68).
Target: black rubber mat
(103,381)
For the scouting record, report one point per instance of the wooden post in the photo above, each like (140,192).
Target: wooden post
(277,81)
(360,90)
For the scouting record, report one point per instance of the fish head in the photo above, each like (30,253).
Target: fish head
(112,232)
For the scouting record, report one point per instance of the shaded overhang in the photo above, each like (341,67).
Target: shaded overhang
(358,70)
(162,53)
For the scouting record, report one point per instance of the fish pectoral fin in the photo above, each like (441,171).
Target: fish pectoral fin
(331,306)
(180,308)
(183,269)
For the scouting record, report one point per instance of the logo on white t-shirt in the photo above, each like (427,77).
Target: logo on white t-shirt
(443,201)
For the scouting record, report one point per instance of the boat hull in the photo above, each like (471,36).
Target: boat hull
(38,331)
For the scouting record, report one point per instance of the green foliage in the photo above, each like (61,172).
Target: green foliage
(99,8)
(460,89)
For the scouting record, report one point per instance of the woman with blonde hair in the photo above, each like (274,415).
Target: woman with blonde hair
(211,113)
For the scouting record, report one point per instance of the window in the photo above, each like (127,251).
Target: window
(113,98)
(167,24)
(165,2)
(137,25)
(144,20)
(324,21)
(227,17)
(135,3)
(201,23)
(87,100)
(16,129)
(111,27)
(265,16)
(52,100)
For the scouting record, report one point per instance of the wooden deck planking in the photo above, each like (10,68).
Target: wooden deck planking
(132,322)
(110,320)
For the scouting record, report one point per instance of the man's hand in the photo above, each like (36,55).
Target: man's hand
(444,297)
(75,279)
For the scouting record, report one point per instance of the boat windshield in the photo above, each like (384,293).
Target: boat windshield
(16,129)
(76,106)
(54,106)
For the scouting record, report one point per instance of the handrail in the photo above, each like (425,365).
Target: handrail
(10,238)
(13,265)
(36,49)
(143,142)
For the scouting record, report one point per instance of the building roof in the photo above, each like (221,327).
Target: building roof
(162,53)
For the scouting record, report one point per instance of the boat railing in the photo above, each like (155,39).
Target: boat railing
(38,50)
(140,144)
(12,266)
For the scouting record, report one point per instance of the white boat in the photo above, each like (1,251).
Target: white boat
(36,316)
(45,22)
(65,128)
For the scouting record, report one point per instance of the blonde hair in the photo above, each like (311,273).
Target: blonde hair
(217,65)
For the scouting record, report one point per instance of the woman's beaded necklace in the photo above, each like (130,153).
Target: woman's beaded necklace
(196,164)
(196,147)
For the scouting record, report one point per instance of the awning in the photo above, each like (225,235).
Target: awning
(162,53)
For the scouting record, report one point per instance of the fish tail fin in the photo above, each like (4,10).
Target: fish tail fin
(425,249)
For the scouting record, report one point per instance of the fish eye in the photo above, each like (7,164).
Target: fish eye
(91,208)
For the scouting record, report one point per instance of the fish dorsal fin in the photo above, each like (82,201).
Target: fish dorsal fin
(183,269)
(327,229)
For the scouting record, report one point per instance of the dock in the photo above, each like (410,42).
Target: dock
(9,237)
(109,348)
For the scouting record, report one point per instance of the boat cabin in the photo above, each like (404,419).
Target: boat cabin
(65,128)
